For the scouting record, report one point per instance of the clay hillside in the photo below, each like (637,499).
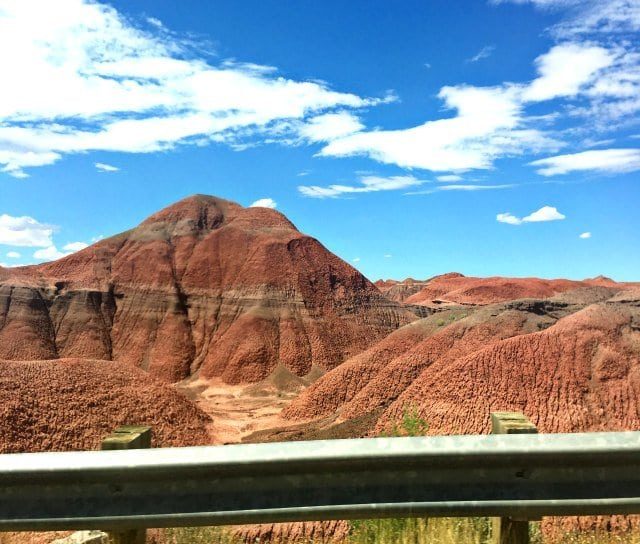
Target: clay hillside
(202,287)
(571,362)
(456,289)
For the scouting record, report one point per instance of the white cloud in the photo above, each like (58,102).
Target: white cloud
(330,126)
(106,167)
(472,187)
(487,126)
(565,69)
(591,16)
(600,160)
(484,53)
(24,231)
(508,218)
(13,255)
(546,213)
(460,187)
(585,235)
(449,178)
(264,203)
(50,253)
(75,246)
(112,86)
(388,256)
(598,83)
(368,184)
(356,260)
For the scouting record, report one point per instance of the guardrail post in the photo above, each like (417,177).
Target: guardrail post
(128,437)
(509,530)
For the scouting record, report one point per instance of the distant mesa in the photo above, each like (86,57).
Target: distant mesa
(455,289)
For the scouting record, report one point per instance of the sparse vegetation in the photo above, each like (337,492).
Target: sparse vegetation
(197,535)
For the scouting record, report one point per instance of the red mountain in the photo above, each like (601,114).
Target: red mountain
(204,286)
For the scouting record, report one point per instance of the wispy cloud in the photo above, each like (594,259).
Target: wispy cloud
(600,160)
(264,203)
(461,187)
(489,122)
(103,167)
(13,255)
(484,53)
(367,184)
(449,178)
(585,235)
(546,213)
(112,86)
(590,16)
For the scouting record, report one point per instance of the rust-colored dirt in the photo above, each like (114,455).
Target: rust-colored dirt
(204,286)
(72,404)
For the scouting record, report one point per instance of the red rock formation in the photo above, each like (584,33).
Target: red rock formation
(202,286)
(376,377)
(456,289)
(72,404)
(581,374)
(419,366)
(400,290)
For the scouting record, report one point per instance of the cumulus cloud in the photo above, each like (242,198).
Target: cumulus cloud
(111,86)
(264,203)
(24,231)
(330,126)
(585,235)
(546,213)
(13,255)
(75,246)
(50,253)
(106,167)
(565,69)
(368,184)
(600,160)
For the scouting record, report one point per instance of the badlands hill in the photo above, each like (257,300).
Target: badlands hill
(570,362)
(202,287)
(456,289)
(72,404)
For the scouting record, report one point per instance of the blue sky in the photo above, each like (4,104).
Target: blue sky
(413,138)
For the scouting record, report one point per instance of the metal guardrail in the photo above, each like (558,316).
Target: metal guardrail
(518,475)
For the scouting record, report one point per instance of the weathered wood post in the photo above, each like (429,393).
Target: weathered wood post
(509,530)
(128,437)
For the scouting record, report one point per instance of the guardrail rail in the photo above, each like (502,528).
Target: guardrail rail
(517,476)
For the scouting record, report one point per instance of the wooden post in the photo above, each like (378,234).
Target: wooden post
(509,530)
(128,437)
